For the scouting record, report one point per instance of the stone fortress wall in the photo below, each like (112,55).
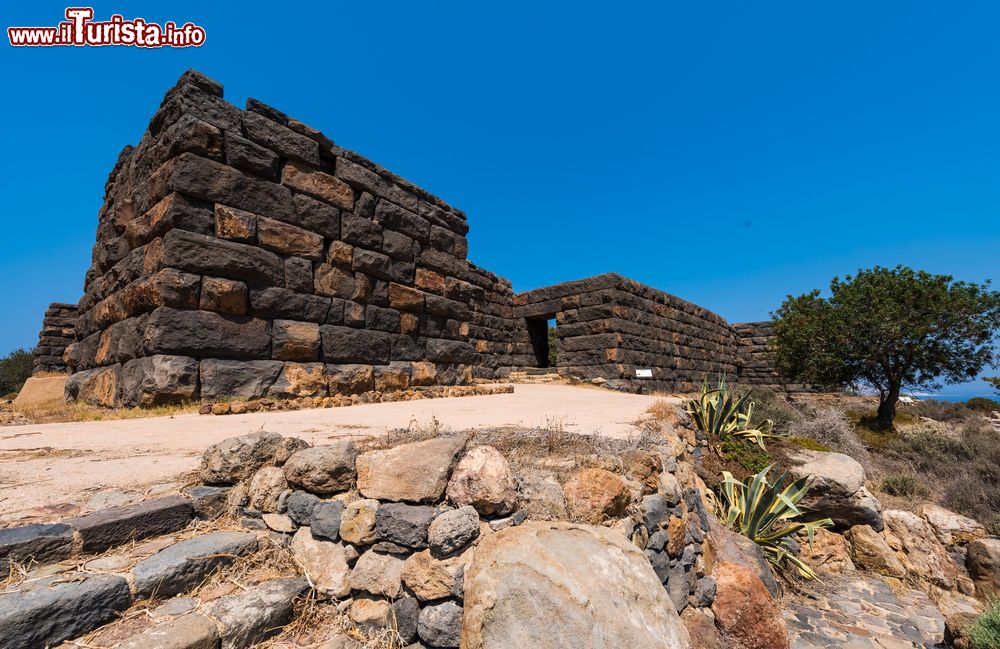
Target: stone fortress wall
(243,254)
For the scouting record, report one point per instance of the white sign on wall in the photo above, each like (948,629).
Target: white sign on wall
(644,374)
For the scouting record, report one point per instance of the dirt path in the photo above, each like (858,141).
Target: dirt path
(48,471)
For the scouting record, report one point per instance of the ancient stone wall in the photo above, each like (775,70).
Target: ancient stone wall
(57,332)
(609,326)
(241,253)
(755,358)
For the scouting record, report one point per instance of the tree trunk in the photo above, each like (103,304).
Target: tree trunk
(887,407)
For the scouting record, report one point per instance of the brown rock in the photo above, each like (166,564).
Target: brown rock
(295,341)
(325,563)
(744,610)
(350,379)
(593,495)
(870,550)
(421,372)
(394,377)
(701,629)
(416,472)
(318,184)
(428,280)
(287,239)
(644,468)
(357,522)
(340,253)
(918,549)
(955,634)
(982,560)
(370,614)
(223,296)
(98,387)
(234,224)
(265,488)
(378,574)
(405,298)
(951,528)
(333,281)
(323,469)
(300,380)
(430,578)
(484,480)
(828,553)
(676,531)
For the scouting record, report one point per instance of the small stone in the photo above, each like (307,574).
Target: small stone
(209,502)
(357,522)
(404,524)
(484,480)
(323,469)
(441,625)
(540,495)
(669,488)
(299,507)
(266,487)
(416,472)
(174,607)
(515,519)
(326,518)
(279,522)
(453,530)
(430,578)
(378,574)
(370,614)
(404,614)
(704,592)
(655,510)
(325,563)
(594,495)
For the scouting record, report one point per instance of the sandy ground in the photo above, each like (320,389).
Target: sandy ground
(48,471)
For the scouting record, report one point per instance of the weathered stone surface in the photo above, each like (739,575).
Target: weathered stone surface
(299,507)
(370,614)
(185,564)
(286,239)
(416,472)
(107,528)
(745,612)
(41,543)
(357,522)
(279,138)
(185,632)
(237,458)
(45,612)
(279,523)
(157,380)
(226,379)
(276,302)
(540,495)
(235,225)
(208,502)
(403,615)
(205,333)
(201,254)
(594,495)
(431,578)
(701,629)
(724,545)
(536,585)
(951,528)
(324,562)
(253,616)
(828,553)
(870,550)
(440,625)
(918,549)
(350,379)
(349,345)
(323,469)
(98,387)
(982,560)
(300,380)
(223,296)
(378,574)
(483,479)
(318,184)
(295,341)
(453,530)
(266,487)
(326,518)
(837,489)
(403,524)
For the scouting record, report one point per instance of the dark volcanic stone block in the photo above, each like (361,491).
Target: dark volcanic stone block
(247,156)
(198,253)
(43,613)
(38,542)
(278,138)
(284,303)
(450,351)
(226,379)
(349,345)
(203,333)
(157,380)
(404,524)
(185,564)
(108,528)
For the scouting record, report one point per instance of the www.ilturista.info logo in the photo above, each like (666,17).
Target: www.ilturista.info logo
(80,30)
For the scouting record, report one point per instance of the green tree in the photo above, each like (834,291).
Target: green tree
(888,328)
(994,381)
(15,369)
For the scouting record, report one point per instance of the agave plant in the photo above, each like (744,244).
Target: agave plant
(765,513)
(720,412)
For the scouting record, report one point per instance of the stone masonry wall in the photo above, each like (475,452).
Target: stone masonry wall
(56,334)
(755,359)
(241,253)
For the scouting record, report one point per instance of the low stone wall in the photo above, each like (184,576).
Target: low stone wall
(58,330)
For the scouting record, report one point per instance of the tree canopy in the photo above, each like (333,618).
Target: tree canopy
(15,368)
(888,328)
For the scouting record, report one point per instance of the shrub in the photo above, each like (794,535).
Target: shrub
(553,357)
(723,413)
(808,443)
(829,427)
(937,410)
(982,404)
(766,514)
(984,632)
(769,407)
(15,369)
(902,484)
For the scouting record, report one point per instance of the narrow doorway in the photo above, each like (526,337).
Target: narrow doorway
(538,334)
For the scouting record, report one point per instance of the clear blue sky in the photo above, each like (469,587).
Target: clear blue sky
(729,153)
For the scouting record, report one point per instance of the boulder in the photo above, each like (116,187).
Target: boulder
(431,578)
(158,380)
(378,574)
(237,458)
(836,489)
(744,611)
(982,560)
(484,480)
(951,528)
(869,550)
(725,545)
(440,625)
(251,617)
(918,549)
(183,565)
(324,563)
(563,585)
(416,472)
(405,525)
(357,521)
(453,530)
(323,469)
(956,630)
(643,468)
(266,486)
(594,495)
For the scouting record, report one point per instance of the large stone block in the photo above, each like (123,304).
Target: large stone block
(235,225)
(184,565)
(318,185)
(295,341)
(223,296)
(198,253)
(229,379)
(158,380)
(402,220)
(287,239)
(98,387)
(416,472)
(174,211)
(348,345)
(280,139)
(300,380)
(283,303)
(41,543)
(167,287)
(253,158)
(108,528)
(204,333)
(350,378)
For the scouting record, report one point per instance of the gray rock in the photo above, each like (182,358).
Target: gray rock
(108,528)
(678,586)
(661,563)
(186,632)
(404,614)
(209,502)
(704,592)
(45,612)
(837,489)
(323,469)
(514,519)
(225,379)
(387,547)
(175,606)
(183,565)
(237,458)
(541,495)
(657,541)
(326,519)
(655,510)
(441,625)
(299,507)
(251,617)
(158,380)
(453,530)
(39,542)
(404,524)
